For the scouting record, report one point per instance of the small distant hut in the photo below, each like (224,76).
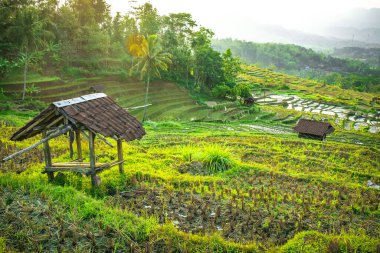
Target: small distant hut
(249,101)
(89,115)
(99,88)
(313,129)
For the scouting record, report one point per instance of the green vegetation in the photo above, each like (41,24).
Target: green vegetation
(61,41)
(214,173)
(266,79)
(277,190)
(297,60)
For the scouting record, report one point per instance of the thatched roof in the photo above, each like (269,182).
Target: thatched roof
(96,112)
(306,126)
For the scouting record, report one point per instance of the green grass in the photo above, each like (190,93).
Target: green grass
(200,187)
(31,78)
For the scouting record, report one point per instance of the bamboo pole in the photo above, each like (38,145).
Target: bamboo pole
(47,155)
(51,136)
(91,139)
(120,155)
(79,144)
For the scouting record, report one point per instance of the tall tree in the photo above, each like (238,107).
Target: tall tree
(231,67)
(151,59)
(29,30)
(148,19)
(177,30)
(208,65)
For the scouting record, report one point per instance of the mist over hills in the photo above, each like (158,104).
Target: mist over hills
(358,25)
(278,34)
(355,28)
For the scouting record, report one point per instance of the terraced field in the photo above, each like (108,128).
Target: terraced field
(347,109)
(350,109)
(266,78)
(168,100)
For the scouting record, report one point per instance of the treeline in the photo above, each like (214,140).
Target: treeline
(81,38)
(368,55)
(293,59)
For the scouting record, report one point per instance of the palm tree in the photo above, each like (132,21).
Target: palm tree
(150,60)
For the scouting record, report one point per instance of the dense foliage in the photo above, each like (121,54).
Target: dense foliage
(293,59)
(80,38)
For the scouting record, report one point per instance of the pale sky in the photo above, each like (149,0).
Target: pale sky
(226,17)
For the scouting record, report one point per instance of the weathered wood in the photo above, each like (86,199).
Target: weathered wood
(84,168)
(78,164)
(54,122)
(68,169)
(100,137)
(91,141)
(53,135)
(79,144)
(47,155)
(47,116)
(120,155)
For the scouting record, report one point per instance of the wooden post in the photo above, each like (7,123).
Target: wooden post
(120,155)
(47,156)
(79,145)
(91,139)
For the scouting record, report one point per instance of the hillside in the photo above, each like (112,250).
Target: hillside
(281,96)
(168,100)
(349,73)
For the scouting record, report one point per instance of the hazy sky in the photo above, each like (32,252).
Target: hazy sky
(226,17)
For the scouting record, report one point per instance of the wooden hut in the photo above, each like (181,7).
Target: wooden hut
(249,101)
(89,115)
(313,129)
(97,88)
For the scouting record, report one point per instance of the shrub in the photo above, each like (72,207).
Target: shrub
(243,90)
(223,91)
(217,159)
(190,153)
(169,124)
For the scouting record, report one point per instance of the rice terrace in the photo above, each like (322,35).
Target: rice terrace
(135,127)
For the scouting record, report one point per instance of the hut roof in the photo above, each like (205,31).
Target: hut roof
(96,112)
(313,127)
(97,88)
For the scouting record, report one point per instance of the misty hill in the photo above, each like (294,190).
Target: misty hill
(368,55)
(360,18)
(305,62)
(290,57)
(326,40)
(356,25)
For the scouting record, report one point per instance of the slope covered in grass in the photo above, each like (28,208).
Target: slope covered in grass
(200,187)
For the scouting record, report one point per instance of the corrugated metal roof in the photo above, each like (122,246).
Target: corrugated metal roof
(78,100)
(96,112)
(313,127)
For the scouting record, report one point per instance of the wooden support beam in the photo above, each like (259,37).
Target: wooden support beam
(67,169)
(120,155)
(91,141)
(77,164)
(44,118)
(54,122)
(79,145)
(47,155)
(100,137)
